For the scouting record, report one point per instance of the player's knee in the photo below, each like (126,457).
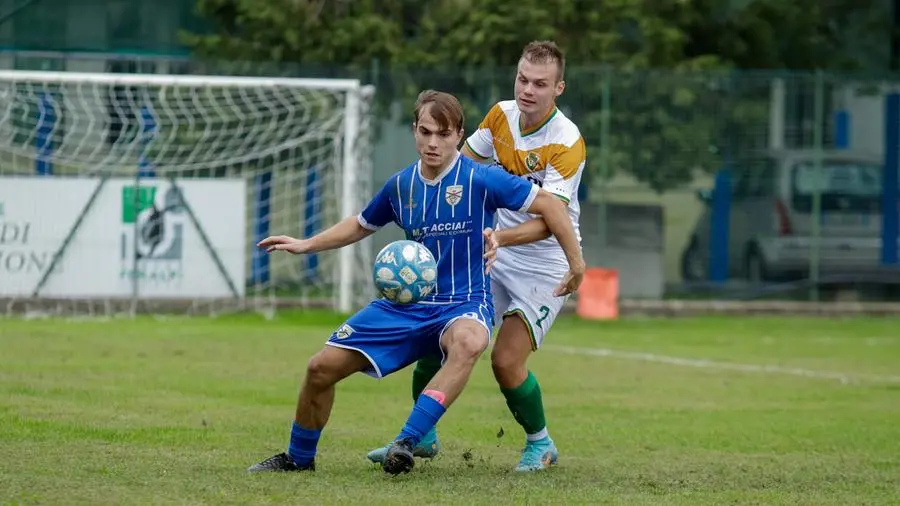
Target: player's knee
(504,361)
(320,370)
(467,345)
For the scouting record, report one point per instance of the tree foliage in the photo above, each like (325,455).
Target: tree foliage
(662,65)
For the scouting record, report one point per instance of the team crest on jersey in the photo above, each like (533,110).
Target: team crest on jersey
(532,160)
(343,332)
(453,194)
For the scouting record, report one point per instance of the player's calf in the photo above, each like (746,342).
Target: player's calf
(510,354)
(324,370)
(522,391)
(463,341)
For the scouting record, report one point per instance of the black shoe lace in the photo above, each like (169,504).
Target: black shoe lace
(406,443)
(275,461)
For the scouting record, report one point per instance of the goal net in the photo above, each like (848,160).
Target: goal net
(138,192)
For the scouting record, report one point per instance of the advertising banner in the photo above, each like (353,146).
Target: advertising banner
(131,232)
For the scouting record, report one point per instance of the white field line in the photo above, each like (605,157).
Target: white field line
(727,366)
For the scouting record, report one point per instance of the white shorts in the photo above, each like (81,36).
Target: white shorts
(524,287)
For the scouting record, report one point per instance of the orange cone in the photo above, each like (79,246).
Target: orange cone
(598,295)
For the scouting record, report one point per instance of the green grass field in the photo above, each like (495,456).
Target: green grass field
(695,411)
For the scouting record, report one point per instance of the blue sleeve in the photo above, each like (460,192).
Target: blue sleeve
(506,191)
(380,211)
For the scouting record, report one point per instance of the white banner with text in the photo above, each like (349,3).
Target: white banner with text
(132,232)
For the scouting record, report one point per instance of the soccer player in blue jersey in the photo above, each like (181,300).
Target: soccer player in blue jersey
(447,202)
(532,139)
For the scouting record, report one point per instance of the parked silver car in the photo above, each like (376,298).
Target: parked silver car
(770,223)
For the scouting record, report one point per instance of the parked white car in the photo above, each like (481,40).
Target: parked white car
(770,223)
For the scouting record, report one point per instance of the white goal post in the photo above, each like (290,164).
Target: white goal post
(151,188)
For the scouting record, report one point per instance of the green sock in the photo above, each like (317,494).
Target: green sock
(425,369)
(526,405)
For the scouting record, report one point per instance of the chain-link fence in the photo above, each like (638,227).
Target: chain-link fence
(718,184)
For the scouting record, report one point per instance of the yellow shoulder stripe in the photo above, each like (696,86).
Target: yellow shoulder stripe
(492,119)
(567,160)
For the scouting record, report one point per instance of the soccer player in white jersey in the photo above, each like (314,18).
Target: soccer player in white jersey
(444,201)
(531,138)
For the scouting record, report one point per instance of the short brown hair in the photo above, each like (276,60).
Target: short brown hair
(445,109)
(546,51)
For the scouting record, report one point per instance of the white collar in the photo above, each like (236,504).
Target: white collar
(432,182)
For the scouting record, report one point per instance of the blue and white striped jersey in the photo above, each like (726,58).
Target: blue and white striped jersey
(447,215)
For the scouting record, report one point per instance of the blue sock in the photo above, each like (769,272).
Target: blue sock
(425,415)
(302,449)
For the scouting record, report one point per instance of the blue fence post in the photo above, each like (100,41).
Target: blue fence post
(889,208)
(148,133)
(262,189)
(841,129)
(311,217)
(43,138)
(719,224)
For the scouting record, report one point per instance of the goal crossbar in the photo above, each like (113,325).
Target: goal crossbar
(48,76)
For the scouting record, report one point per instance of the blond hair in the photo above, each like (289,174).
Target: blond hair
(546,51)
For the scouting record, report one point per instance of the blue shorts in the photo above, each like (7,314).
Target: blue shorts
(392,336)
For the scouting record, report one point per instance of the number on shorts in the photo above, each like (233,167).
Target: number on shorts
(545,312)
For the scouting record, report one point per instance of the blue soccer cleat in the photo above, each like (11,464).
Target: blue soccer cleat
(427,448)
(538,455)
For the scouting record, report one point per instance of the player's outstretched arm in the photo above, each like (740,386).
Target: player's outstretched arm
(557,219)
(525,233)
(343,233)
(528,232)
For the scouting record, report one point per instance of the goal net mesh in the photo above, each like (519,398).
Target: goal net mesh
(207,166)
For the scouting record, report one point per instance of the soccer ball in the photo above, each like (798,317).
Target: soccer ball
(405,272)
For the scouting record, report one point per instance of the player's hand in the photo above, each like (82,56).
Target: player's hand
(490,248)
(283,243)
(570,282)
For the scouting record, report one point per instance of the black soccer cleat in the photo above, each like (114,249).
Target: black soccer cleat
(399,457)
(280,463)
